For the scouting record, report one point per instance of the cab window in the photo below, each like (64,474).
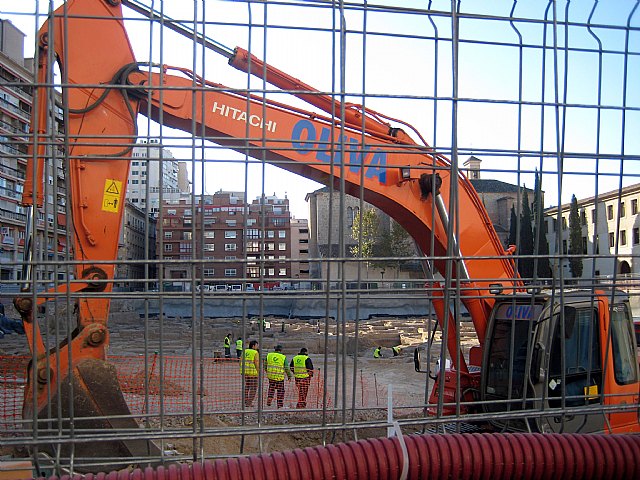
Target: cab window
(625,367)
(575,352)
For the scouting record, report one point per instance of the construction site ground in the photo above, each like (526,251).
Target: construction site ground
(175,336)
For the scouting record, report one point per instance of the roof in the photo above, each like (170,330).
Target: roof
(486,185)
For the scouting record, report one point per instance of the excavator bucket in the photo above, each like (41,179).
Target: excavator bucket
(91,404)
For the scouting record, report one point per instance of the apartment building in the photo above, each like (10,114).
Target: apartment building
(299,250)
(610,234)
(16,99)
(223,240)
(155,173)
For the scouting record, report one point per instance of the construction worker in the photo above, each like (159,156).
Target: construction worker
(276,371)
(239,347)
(377,353)
(227,346)
(249,367)
(302,368)
(396,351)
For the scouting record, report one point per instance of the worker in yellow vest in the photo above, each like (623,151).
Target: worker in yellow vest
(275,367)
(250,367)
(227,346)
(239,347)
(302,368)
(377,353)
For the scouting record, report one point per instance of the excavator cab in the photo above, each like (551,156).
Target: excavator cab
(551,353)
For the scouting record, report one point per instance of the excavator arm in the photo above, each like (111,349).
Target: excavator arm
(103,91)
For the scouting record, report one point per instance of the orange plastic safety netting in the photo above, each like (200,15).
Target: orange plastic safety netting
(168,384)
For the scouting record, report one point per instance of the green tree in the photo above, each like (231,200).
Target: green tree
(365,231)
(575,239)
(541,245)
(396,243)
(525,246)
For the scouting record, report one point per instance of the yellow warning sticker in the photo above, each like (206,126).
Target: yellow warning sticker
(591,391)
(111,195)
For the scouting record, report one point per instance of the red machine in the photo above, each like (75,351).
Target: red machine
(408,181)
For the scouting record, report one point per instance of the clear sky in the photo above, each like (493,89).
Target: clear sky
(391,55)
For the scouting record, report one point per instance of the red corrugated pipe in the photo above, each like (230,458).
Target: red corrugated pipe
(456,456)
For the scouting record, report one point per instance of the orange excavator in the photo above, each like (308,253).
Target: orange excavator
(541,352)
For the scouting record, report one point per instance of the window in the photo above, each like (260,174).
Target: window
(209,247)
(253,246)
(584,245)
(271,234)
(271,271)
(583,217)
(634,207)
(282,246)
(209,272)
(230,257)
(187,212)
(229,272)
(168,235)
(230,247)
(593,216)
(168,247)
(282,234)
(134,182)
(186,247)
(171,211)
(253,272)
(282,272)
(636,236)
(251,221)
(209,234)
(187,236)
(253,233)
(622,210)
(271,246)
(564,247)
(624,347)
(623,237)
(612,240)
(610,212)
(231,223)
(230,234)
(564,223)
(577,339)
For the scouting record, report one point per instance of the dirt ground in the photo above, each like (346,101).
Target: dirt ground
(289,428)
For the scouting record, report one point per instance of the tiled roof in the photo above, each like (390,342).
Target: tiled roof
(483,185)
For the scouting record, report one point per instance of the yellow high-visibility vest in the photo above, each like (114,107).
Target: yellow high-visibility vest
(227,342)
(238,344)
(275,366)
(248,364)
(300,366)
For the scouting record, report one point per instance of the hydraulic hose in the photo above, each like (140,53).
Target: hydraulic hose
(463,456)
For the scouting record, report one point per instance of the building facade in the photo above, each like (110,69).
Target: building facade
(16,99)
(610,234)
(136,246)
(498,197)
(155,173)
(226,241)
(299,250)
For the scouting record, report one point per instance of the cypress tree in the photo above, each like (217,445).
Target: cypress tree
(513,228)
(575,239)
(541,245)
(525,265)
